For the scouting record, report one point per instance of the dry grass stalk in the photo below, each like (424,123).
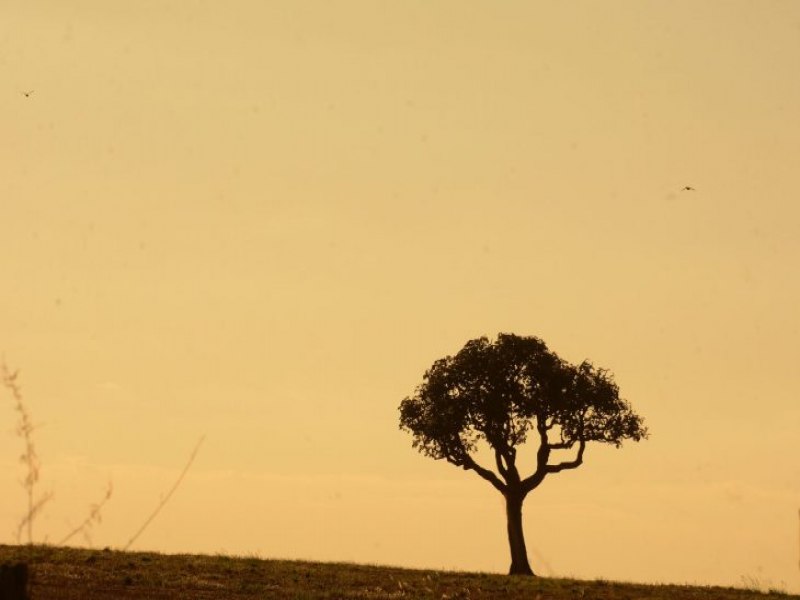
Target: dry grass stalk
(166,498)
(94,517)
(29,458)
(33,511)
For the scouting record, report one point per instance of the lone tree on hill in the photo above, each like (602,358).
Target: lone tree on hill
(501,391)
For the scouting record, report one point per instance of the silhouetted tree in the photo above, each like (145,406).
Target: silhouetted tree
(501,391)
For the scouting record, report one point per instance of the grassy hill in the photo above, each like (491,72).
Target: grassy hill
(72,574)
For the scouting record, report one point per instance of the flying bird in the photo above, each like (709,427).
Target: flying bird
(687,188)
(27,94)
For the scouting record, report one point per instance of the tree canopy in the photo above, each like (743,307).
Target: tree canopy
(506,390)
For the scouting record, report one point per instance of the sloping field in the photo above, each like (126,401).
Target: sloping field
(73,574)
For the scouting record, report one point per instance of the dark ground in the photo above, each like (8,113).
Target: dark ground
(80,574)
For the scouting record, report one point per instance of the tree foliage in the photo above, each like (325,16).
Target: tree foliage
(507,390)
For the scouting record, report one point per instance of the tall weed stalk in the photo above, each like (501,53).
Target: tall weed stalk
(29,458)
(166,498)
(95,517)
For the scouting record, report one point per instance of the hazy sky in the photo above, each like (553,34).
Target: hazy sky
(263,221)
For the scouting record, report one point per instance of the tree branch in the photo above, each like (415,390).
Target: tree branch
(469,463)
(562,446)
(544,447)
(572,464)
(542,456)
(507,465)
(498,459)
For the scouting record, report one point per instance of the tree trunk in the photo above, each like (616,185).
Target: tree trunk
(516,539)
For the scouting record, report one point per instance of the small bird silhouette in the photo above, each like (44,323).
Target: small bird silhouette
(688,188)
(27,94)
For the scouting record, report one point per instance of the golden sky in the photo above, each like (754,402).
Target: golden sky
(263,221)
